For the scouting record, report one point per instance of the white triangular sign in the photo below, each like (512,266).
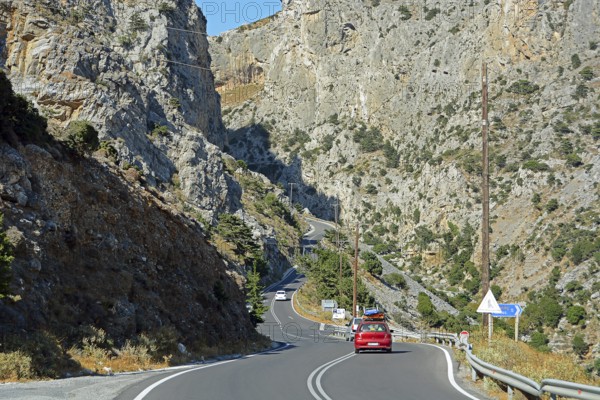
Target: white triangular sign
(489,304)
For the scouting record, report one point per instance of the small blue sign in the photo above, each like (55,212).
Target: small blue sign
(508,311)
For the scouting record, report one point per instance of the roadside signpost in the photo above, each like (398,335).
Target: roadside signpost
(489,305)
(464,337)
(510,311)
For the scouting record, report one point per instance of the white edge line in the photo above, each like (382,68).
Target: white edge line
(310,377)
(451,372)
(273,313)
(318,381)
(145,392)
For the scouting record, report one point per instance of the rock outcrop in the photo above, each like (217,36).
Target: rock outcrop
(93,249)
(139,72)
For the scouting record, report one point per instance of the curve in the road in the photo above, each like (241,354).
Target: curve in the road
(313,367)
(319,371)
(146,391)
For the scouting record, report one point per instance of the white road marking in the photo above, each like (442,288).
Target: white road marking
(145,392)
(451,372)
(273,313)
(323,368)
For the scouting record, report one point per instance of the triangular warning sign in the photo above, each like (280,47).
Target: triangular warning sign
(489,304)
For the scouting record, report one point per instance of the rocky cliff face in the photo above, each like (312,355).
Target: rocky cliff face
(93,249)
(139,72)
(101,240)
(378,104)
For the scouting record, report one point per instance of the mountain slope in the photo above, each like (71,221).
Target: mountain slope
(94,251)
(378,104)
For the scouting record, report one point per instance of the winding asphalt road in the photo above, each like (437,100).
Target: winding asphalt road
(308,364)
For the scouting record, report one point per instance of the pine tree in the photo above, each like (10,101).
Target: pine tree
(6,258)
(254,295)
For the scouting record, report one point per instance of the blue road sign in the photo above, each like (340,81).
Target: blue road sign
(508,311)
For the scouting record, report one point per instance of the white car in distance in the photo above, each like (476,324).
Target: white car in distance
(280,295)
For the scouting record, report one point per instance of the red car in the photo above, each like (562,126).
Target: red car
(373,335)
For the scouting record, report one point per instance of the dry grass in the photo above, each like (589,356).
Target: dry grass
(524,360)
(15,366)
(306,305)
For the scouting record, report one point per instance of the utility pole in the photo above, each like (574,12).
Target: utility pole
(485,201)
(337,238)
(355,271)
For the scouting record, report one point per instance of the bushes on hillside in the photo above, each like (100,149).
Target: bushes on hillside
(395,279)
(18,117)
(371,263)
(82,137)
(6,258)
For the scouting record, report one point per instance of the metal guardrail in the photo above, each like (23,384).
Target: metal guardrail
(570,389)
(513,381)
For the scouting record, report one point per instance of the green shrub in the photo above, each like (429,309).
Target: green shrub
(242,164)
(573,160)
(573,286)
(371,189)
(552,205)
(427,310)
(583,250)
(368,140)
(580,347)
(539,341)
(576,314)
(371,263)
(581,92)
(430,14)
(523,87)
(174,102)
(137,24)
(535,165)
(125,41)
(575,61)
(6,258)
(392,158)
(19,117)
(395,279)
(165,8)
(160,130)
(416,216)
(587,73)
(406,14)
(82,137)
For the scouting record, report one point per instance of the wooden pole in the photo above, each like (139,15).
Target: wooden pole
(485,201)
(355,271)
(337,234)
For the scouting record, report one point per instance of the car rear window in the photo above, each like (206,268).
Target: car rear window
(372,328)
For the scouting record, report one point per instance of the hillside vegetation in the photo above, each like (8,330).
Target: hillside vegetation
(378,105)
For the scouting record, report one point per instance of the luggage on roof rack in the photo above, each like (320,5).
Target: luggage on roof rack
(373,314)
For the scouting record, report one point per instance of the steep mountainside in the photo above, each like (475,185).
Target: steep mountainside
(139,72)
(378,104)
(93,250)
(118,238)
